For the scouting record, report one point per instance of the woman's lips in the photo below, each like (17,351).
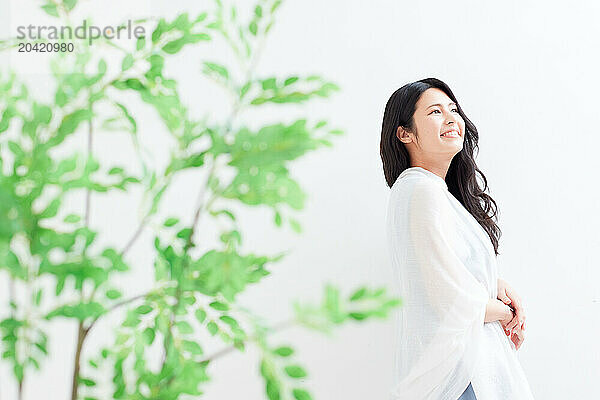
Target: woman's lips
(453,134)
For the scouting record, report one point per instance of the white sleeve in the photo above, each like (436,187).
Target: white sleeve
(443,311)
(450,288)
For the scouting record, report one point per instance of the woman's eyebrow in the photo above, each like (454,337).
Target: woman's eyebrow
(438,104)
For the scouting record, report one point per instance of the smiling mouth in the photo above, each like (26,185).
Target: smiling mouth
(451,134)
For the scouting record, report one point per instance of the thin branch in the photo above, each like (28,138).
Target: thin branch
(81,331)
(81,335)
(88,192)
(135,236)
(278,327)
(117,305)
(189,243)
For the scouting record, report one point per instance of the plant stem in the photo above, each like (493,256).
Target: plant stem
(82,332)
(189,243)
(81,335)
(137,233)
(116,305)
(278,327)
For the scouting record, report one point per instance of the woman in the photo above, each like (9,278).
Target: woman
(456,313)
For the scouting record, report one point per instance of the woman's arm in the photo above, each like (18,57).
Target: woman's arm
(498,311)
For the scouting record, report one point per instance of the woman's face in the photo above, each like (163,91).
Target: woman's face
(435,114)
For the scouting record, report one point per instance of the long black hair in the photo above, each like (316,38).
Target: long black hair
(461,177)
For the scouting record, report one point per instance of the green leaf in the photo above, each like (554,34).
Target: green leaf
(217,305)
(87,382)
(283,351)
(277,218)
(269,84)
(61,98)
(192,347)
(113,294)
(159,30)
(295,371)
(273,389)
(290,80)
(184,327)
(200,315)
(320,124)
(69,125)
(181,23)
(201,17)
(157,63)
(301,394)
(293,90)
(128,116)
(33,362)
(69,4)
(175,46)
(141,43)
(38,297)
(41,116)
(18,371)
(253,28)
(216,68)
(233,324)
(212,328)
(16,149)
(239,344)
(116,171)
(9,113)
(143,309)
(231,237)
(42,346)
(149,335)
(192,161)
(359,316)
(51,210)
(50,9)
(171,222)
(116,260)
(127,62)
(295,225)
(198,37)
(72,218)
(275,6)
(358,294)
(135,84)
(131,320)
(244,89)
(224,212)
(184,233)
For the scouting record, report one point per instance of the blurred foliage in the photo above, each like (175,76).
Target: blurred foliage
(191,294)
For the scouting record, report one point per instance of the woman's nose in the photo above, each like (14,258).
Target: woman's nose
(451,119)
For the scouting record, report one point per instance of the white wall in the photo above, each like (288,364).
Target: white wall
(526,75)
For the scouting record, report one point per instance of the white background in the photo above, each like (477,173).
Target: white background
(524,72)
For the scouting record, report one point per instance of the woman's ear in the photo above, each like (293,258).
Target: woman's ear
(403,135)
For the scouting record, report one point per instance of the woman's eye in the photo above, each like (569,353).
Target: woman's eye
(454,109)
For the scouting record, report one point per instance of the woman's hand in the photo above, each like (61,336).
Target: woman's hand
(517,337)
(506,314)
(508,296)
